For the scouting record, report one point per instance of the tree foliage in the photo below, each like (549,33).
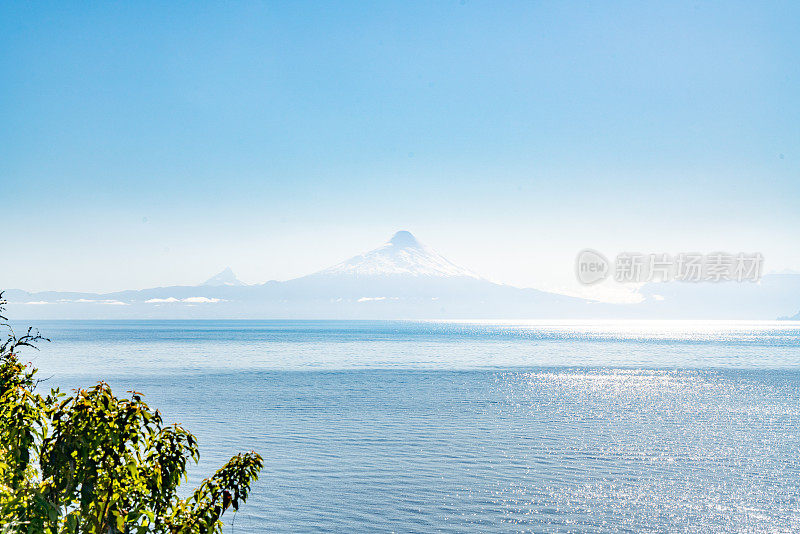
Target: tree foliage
(95,463)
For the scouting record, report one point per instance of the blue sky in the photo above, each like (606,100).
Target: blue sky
(148,144)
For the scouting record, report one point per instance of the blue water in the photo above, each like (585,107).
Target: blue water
(473,427)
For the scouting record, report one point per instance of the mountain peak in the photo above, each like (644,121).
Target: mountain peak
(224,278)
(402,255)
(404,239)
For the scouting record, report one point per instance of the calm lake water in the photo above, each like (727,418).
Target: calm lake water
(473,427)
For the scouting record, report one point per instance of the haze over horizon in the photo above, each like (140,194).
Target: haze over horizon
(400,266)
(148,145)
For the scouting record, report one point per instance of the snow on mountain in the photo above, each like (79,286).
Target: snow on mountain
(402,255)
(401,279)
(224,278)
(404,279)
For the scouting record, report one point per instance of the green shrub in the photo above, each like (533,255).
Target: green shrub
(96,463)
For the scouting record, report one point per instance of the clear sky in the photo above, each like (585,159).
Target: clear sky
(155,143)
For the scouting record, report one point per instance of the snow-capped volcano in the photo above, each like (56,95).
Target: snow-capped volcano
(224,278)
(402,255)
(404,279)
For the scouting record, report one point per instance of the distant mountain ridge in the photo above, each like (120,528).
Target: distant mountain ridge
(404,279)
(795,317)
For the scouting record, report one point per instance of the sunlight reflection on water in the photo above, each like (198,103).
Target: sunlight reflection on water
(475,428)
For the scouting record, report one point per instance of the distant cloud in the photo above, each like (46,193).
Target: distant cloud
(37,302)
(369,299)
(158,301)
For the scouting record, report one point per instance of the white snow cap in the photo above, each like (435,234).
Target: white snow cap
(404,239)
(402,255)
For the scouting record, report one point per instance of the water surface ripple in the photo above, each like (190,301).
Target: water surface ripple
(473,427)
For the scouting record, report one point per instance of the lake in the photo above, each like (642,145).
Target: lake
(373,426)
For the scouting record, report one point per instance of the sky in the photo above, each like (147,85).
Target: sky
(148,144)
